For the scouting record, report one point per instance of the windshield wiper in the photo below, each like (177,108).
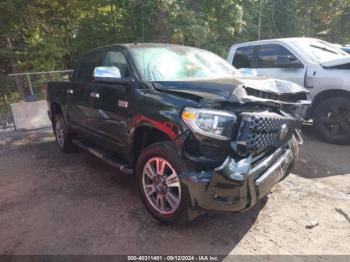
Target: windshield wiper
(325,49)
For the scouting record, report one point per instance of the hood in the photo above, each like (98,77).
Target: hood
(229,88)
(337,62)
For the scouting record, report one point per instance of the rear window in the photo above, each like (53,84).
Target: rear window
(243,57)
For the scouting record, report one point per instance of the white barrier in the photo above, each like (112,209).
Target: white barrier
(30,115)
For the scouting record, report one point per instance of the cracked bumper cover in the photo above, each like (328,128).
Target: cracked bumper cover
(236,186)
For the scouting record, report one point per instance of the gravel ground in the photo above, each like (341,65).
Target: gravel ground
(54,203)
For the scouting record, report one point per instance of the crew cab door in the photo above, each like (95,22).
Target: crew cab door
(271,60)
(109,102)
(78,99)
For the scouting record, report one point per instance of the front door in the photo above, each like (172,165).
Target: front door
(267,64)
(109,102)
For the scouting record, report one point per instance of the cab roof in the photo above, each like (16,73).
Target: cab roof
(135,45)
(283,40)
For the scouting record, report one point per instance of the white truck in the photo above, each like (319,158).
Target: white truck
(319,66)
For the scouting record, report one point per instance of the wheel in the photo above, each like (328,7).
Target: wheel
(64,137)
(332,120)
(161,190)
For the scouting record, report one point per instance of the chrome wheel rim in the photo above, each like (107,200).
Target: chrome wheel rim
(59,131)
(161,185)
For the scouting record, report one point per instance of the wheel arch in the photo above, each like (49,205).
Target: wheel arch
(331,93)
(55,108)
(144,136)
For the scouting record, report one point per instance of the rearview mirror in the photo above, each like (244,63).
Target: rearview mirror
(249,72)
(106,73)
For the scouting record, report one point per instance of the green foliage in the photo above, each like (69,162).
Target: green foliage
(41,35)
(44,35)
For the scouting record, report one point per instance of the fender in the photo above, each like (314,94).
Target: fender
(171,130)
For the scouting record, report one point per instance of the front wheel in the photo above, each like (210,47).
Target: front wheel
(161,190)
(332,120)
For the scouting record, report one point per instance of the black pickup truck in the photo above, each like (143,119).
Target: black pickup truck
(197,134)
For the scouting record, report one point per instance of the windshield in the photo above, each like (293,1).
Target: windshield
(320,51)
(176,63)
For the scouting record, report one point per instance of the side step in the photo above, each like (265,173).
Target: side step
(108,158)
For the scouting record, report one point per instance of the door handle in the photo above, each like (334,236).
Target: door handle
(95,95)
(70,91)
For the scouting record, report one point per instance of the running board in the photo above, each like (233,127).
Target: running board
(105,157)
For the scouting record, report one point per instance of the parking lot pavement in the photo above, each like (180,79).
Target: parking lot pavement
(55,203)
(318,159)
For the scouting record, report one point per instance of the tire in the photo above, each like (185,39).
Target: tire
(169,201)
(64,138)
(332,120)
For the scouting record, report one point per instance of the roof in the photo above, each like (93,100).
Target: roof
(135,45)
(285,40)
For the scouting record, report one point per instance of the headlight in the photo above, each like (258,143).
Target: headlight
(208,122)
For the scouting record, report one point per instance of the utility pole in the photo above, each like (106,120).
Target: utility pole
(260,14)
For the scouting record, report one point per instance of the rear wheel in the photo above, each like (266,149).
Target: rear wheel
(161,190)
(332,120)
(64,137)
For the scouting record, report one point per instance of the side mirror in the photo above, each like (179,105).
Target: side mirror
(249,72)
(288,62)
(106,73)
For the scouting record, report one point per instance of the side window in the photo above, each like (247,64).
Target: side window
(117,58)
(243,57)
(274,56)
(87,66)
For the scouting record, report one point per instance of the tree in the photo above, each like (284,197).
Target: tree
(52,34)
(11,34)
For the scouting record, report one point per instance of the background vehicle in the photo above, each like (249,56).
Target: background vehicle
(198,135)
(346,49)
(319,66)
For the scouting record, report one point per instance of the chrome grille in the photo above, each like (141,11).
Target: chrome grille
(263,130)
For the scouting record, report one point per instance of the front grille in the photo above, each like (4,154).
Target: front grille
(291,98)
(264,130)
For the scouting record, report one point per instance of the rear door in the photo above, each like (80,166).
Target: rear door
(245,57)
(78,103)
(110,101)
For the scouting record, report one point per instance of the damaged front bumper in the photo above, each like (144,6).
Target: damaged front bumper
(238,185)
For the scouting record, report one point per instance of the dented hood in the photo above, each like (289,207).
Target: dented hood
(337,62)
(224,88)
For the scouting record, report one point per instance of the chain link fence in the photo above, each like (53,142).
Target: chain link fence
(27,87)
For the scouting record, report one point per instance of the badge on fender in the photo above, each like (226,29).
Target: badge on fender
(122,103)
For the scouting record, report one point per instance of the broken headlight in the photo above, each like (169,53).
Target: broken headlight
(209,122)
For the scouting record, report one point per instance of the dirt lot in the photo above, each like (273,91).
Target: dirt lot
(53,203)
